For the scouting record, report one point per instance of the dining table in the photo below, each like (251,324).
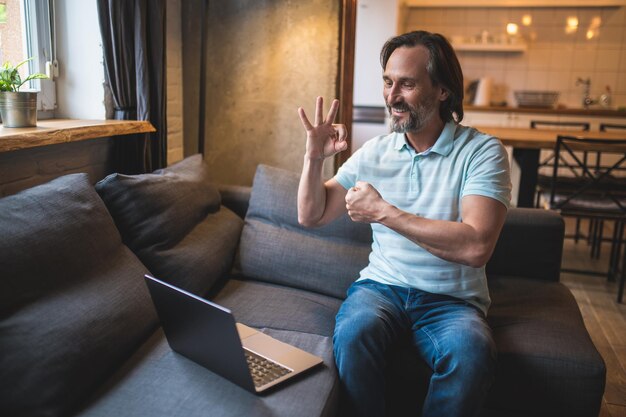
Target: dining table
(527,144)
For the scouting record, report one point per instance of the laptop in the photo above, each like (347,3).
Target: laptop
(207,334)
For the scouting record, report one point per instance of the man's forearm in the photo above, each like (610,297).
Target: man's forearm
(469,242)
(311,193)
(453,241)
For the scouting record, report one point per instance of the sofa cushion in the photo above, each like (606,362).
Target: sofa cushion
(260,304)
(545,353)
(73,304)
(275,248)
(157,382)
(173,221)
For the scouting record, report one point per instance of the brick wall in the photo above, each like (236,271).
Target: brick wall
(29,167)
(11,35)
(174,76)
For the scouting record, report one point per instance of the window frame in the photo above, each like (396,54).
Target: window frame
(39,38)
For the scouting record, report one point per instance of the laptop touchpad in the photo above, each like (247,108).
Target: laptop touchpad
(265,345)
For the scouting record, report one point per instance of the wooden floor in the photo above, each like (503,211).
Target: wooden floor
(604,317)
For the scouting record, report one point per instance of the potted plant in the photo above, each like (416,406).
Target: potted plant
(17,108)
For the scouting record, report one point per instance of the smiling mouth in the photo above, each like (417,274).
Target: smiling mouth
(398,109)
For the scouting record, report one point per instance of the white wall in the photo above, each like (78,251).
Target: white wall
(375,23)
(80,94)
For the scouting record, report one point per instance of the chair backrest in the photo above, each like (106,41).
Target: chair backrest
(547,158)
(535,124)
(593,189)
(605,127)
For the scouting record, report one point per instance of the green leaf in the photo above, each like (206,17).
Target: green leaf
(37,76)
(23,62)
(10,78)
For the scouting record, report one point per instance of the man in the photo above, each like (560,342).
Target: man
(436,195)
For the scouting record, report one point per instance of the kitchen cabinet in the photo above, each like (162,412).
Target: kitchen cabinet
(512,118)
(500,119)
(514,3)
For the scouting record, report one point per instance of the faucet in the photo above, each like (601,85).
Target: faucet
(587,100)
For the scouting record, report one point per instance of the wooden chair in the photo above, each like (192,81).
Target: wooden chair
(595,194)
(534,124)
(606,127)
(547,162)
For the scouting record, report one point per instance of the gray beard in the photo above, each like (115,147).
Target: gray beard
(410,125)
(416,121)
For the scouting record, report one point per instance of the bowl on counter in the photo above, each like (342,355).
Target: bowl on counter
(538,99)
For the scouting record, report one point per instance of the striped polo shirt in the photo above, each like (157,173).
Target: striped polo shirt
(429,184)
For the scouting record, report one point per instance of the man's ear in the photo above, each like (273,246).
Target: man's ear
(443,95)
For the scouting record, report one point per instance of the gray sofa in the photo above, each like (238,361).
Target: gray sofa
(79,335)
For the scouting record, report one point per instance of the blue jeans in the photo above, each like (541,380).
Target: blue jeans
(449,334)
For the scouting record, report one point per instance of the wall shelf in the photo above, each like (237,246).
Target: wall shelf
(490,47)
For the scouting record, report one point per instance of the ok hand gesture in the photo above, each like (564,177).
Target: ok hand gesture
(323,139)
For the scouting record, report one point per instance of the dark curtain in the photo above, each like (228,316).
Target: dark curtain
(133,40)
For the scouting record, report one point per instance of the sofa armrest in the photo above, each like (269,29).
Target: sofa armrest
(530,245)
(236,198)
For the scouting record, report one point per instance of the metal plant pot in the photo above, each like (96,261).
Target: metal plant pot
(18,109)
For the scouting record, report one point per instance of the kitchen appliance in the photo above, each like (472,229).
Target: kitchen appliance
(541,99)
(483,92)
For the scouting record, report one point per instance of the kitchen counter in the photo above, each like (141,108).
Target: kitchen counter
(594,111)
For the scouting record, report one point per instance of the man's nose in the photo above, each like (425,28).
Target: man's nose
(393,94)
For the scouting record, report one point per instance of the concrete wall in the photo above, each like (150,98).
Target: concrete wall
(266,58)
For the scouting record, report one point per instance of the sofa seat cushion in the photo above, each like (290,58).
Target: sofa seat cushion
(173,221)
(275,248)
(73,304)
(260,304)
(547,363)
(157,382)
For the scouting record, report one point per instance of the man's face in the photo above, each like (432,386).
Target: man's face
(411,98)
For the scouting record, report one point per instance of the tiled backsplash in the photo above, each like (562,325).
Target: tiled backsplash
(554,59)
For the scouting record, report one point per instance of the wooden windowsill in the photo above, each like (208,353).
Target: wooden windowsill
(55,131)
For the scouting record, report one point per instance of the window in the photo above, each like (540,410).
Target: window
(27,30)
(3,13)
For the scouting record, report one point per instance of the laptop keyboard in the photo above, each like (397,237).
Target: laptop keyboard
(264,371)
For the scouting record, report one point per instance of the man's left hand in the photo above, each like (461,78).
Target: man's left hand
(365,204)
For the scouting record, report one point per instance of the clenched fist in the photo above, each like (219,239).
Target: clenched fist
(365,204)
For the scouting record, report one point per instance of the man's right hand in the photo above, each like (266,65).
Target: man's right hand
(323,139)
